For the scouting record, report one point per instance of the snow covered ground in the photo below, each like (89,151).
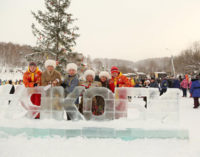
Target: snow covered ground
(23,146)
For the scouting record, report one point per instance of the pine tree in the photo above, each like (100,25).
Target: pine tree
(57,36)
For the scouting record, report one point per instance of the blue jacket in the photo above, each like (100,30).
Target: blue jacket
(195,88)
(164,84)
(70,83)
(176,84)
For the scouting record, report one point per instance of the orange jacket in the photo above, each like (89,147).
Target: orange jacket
(30,78)
(120,81)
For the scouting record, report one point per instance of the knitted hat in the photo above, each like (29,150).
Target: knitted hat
(50,62)
(89,72)
(114,69)
(32,64)
(71,66)
(104,73)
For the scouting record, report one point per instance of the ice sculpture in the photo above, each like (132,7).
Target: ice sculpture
(163,108)
(107,95)
(52,103)
(69,104)
(4,94)
(121,102)
(27,95)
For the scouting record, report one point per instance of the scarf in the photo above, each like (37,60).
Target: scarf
(33,74)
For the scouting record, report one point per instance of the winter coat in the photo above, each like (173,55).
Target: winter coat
(195,88)
(153,84)
(164,84)
(32,78)
(184,84)
(69,83)
(105,84)
(120,81)
(176,84)
(132,82)
(48,78)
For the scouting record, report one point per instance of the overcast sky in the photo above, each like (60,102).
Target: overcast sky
(124,29)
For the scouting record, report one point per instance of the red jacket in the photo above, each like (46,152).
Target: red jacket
(120,81)
(30,78)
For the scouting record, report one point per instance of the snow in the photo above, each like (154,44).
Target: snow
(22,146)
(5,74)
(51,147)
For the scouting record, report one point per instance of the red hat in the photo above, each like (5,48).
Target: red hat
(32,64)
(114,69)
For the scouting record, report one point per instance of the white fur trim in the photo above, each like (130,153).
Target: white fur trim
(50,62)
(104,73)
(71,66)
(89,72)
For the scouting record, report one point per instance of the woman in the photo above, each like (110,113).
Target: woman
(184,85)
(195,91)
(104,78)
(51,76)
(71,80)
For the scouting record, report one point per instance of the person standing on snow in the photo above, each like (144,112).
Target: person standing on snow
(184,85)
(163,86)
(51,76)
(32,78)
(118,80)
(195,91)
(70,82)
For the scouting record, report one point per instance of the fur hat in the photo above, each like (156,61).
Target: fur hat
(114,69)
(89,72)
(104,73)
(71,66)
(50,62)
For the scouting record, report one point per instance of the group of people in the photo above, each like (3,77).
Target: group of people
(193,85)
(33,77)
(17,82)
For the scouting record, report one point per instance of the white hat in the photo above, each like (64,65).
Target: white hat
(89,72)
(50,62)
(104,73)
(71,66)
(147,81)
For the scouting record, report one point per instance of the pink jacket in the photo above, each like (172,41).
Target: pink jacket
(184,84)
